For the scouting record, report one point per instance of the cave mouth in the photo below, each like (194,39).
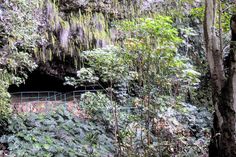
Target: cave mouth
(40,81)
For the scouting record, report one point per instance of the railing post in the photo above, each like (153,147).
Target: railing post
(65,98)
(65,101)
(48,96)
(21,98)
(46,104)
(55,96)
(38,96)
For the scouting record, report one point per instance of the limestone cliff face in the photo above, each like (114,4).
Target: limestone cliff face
(74,26)
(56,31)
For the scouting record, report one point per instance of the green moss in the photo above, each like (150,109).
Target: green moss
(198,12)
(64,24)
(94,25)
(36,52)
(76,62)
(50,54)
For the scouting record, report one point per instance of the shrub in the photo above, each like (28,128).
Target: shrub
(56,133)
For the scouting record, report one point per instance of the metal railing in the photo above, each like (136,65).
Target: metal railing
(28,96)
(28,101)
(52,98)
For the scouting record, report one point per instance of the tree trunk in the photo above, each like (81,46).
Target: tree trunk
(223,79)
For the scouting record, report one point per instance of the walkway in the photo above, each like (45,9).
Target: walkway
(44,101)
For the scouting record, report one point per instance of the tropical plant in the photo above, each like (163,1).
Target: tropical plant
(97,105)
(108,62)
(17,39)
(152,49)
(57,133)
(84,77)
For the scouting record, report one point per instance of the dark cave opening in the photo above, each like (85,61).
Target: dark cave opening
(40,81)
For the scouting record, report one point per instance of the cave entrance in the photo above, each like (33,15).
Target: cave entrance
(43,92)
(39,81)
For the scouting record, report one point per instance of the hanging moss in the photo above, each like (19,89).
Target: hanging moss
(76,62)
(64,34)
(36,52)
(76,26)
(50,54)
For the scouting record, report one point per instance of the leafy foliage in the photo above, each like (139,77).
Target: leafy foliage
(198,12)
(57,134)
(13,68)
(97,105)
(108,62)
(148,65)
(182,131)
(84,76)
(151,45)
(17,38)
(17,12)
(4,101)
(104,64)
(225,15)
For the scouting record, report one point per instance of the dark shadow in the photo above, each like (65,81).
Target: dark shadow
(39,81)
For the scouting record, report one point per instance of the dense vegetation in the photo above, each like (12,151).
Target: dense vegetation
(159,84)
